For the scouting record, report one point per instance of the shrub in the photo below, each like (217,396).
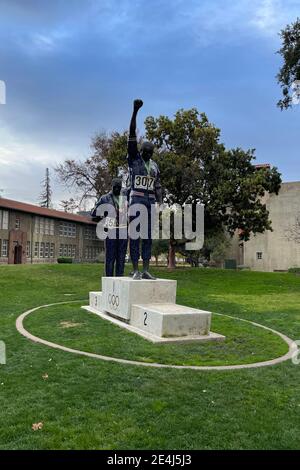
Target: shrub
(294,270)
(64,259)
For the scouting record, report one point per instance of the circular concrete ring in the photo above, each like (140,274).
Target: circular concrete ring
(292,352)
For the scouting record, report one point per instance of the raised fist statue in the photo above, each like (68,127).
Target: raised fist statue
(137,104)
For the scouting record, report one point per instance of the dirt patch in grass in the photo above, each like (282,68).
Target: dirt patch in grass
(69,324)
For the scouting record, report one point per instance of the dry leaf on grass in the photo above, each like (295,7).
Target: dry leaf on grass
(45,376)
(37,426)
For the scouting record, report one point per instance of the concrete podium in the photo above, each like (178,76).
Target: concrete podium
(148,308)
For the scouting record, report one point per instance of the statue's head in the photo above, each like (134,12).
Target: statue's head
(116,186)
(147,150)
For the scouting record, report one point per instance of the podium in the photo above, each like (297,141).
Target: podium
(148,308)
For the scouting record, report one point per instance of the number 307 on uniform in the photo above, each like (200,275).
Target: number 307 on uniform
(144,182)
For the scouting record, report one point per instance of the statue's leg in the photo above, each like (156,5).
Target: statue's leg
(146,249)
(134,249)
(110,256)
(134,246)
(121,253)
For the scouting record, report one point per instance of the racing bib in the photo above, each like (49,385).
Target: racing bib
(110,222)
(144,182)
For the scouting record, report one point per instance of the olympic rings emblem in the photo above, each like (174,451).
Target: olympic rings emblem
(114,300)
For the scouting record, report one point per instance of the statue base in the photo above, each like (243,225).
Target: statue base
(148,308)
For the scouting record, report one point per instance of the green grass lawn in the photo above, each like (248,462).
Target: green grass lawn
(71,326)
(89,404)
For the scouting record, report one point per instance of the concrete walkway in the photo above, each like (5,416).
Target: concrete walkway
(293,350)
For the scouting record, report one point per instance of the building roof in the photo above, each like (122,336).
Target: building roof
(263,165)
(43,211)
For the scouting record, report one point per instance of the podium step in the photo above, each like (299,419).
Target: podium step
(96,300)
(148,308)
(120,293)
(170,320)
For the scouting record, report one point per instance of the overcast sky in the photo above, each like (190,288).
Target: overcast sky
(73,67)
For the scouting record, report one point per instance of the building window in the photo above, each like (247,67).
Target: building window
(36,249)
(47,227)
(42,249)
(67,250)
(66,229)
(3,220)
(91,252)
(4,248)
(44,226)
(51,227)
(28,254)
(52,250)
(47,249)
(259,255)
(90,233)
(17,225)
(37,225)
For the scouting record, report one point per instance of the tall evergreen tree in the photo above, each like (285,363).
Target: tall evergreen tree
(46,193)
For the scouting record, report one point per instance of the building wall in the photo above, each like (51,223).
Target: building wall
(22,230)
(235,251)
(277,252)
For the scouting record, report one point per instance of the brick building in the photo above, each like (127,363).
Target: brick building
(33,234)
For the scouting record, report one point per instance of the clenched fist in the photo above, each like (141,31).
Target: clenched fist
(137,104)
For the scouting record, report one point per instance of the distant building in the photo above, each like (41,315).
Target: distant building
(272,251)
(33,234)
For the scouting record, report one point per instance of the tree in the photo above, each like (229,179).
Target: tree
(196,167)
(290,71)
(158,248)
(216,246)
(92,177)
(46,194)
(69,205)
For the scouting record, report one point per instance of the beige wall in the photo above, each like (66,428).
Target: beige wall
(278,253)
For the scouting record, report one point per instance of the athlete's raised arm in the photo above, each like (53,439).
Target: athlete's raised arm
(132,142)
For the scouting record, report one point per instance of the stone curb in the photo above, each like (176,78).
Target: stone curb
(292,347)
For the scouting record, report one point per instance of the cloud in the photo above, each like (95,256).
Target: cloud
(128,27)
(48,42)
(71,71)
(269,16)
(19,151)
(225,21)
(23,163)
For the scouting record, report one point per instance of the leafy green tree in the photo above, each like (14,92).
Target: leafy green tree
(213,252)
(216,246)
(196,167)
(158,248)
(290,70)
